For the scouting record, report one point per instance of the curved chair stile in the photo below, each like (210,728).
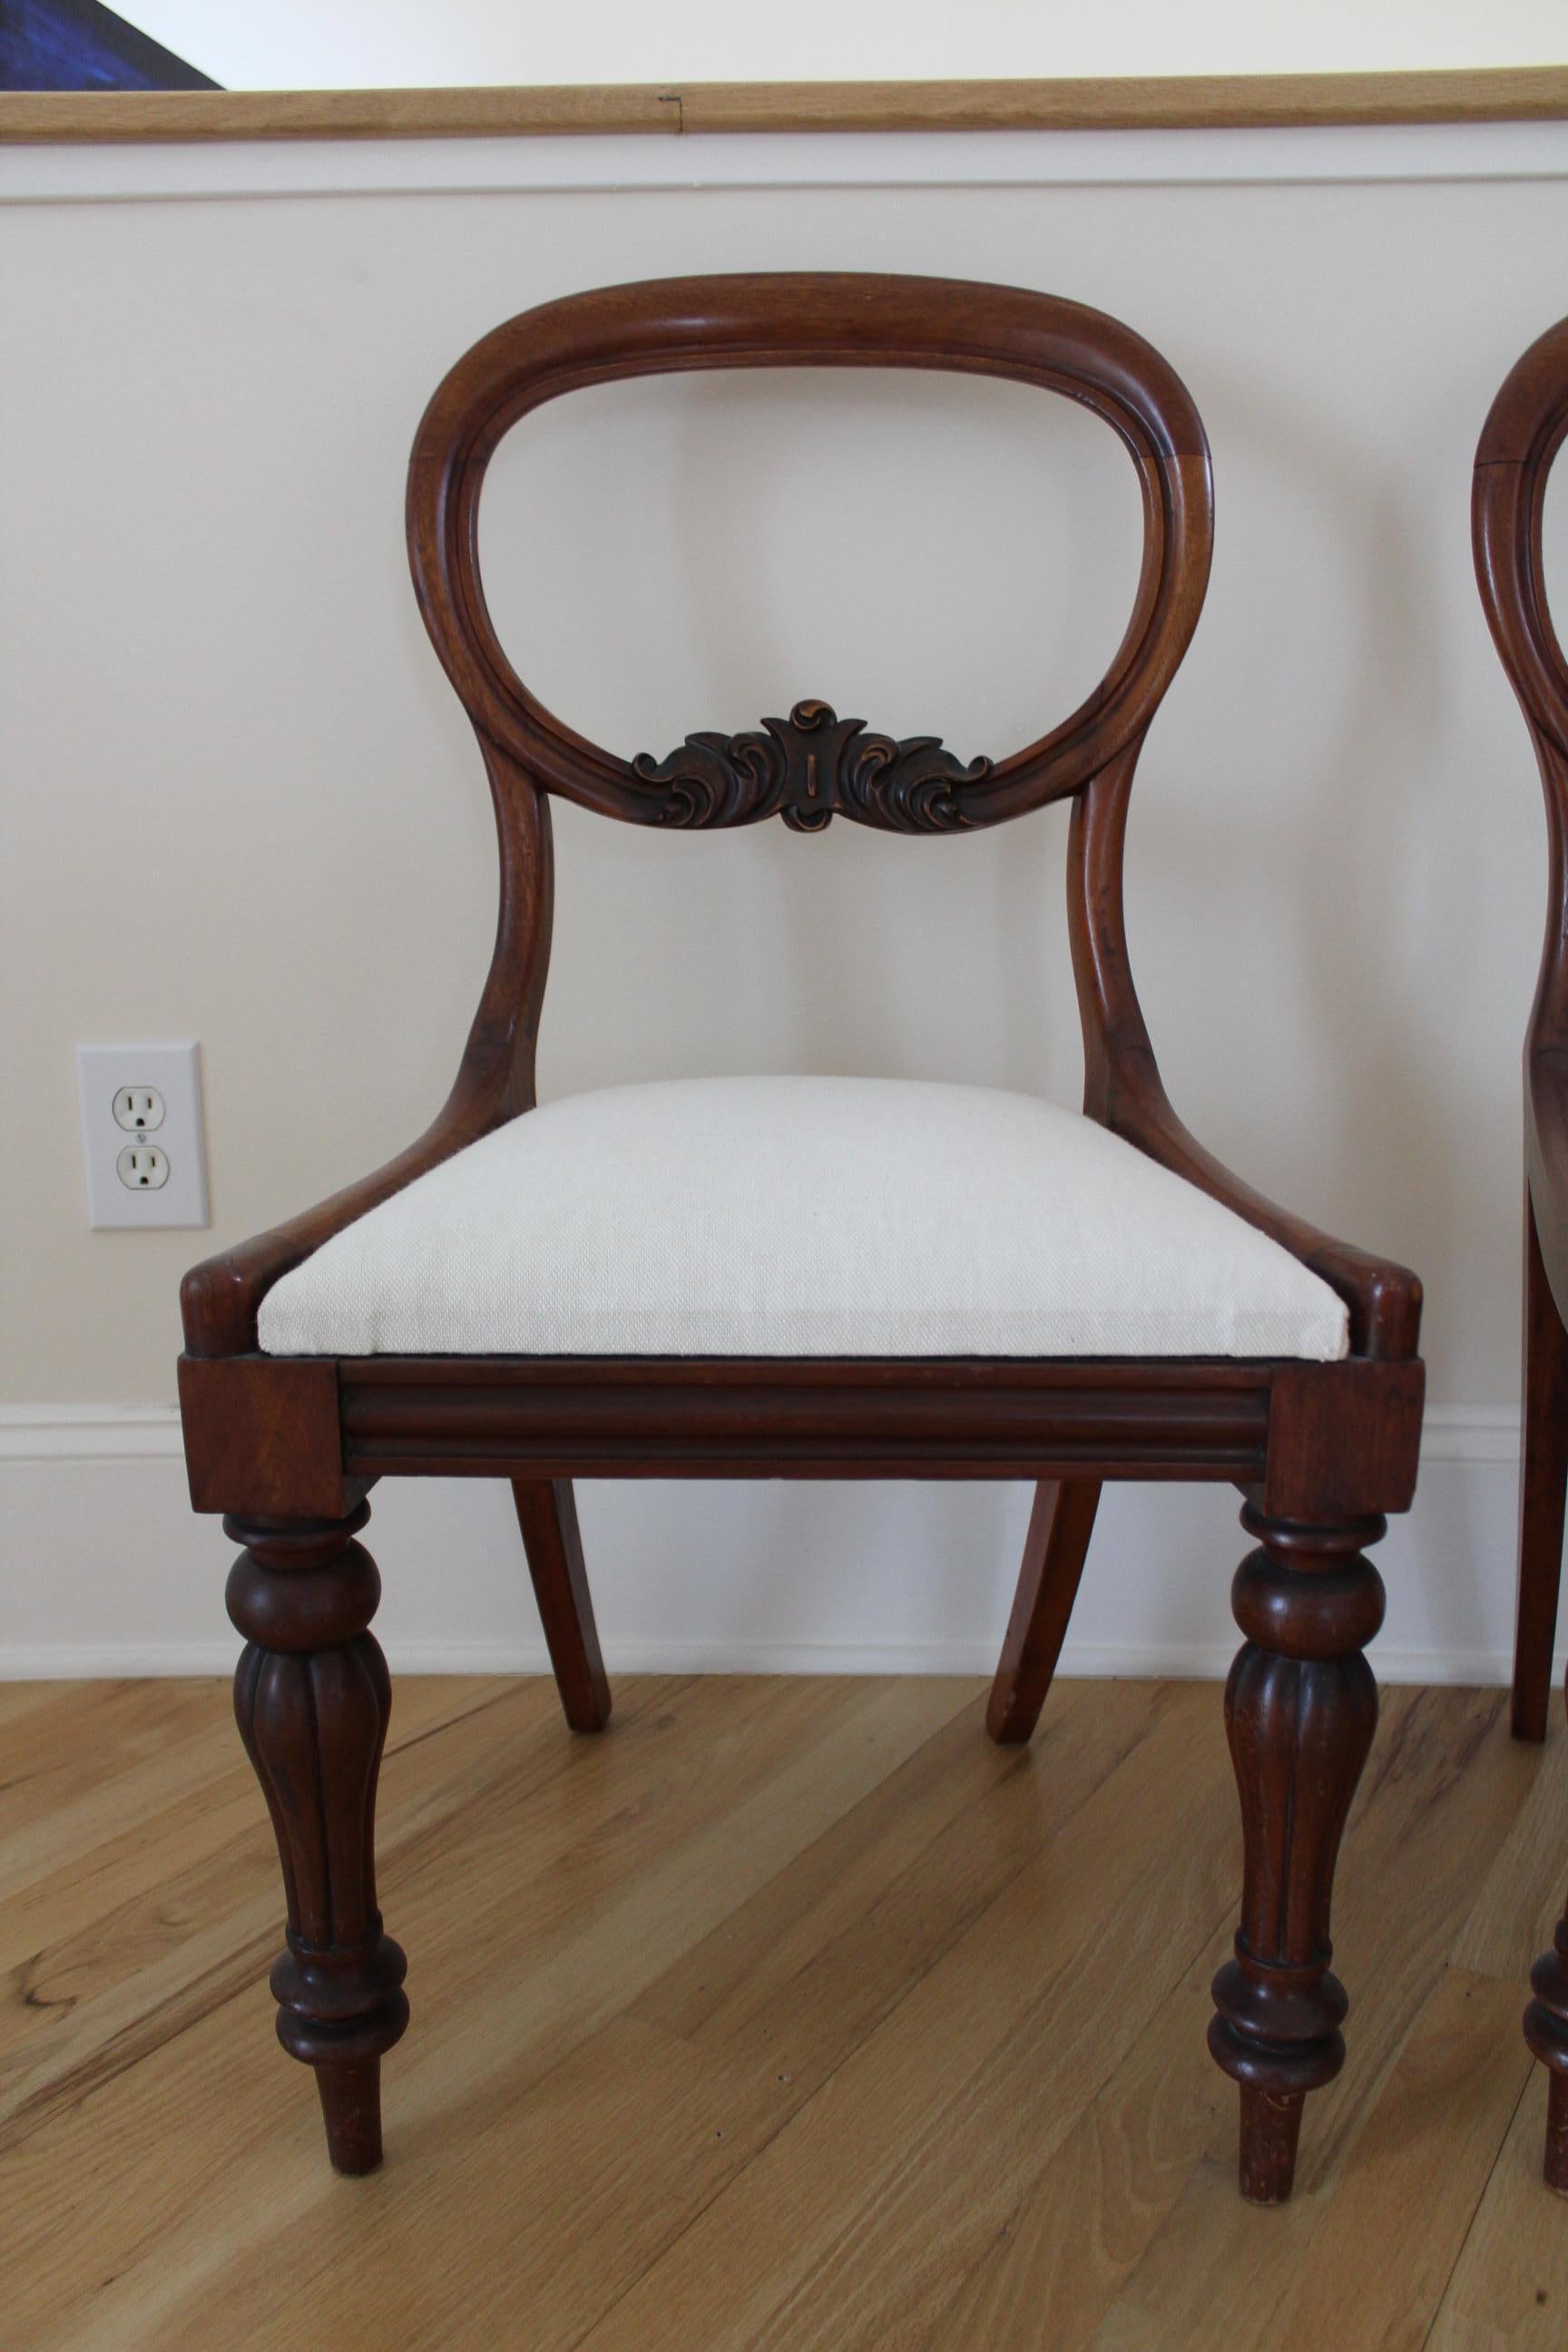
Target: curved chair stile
(1521,437)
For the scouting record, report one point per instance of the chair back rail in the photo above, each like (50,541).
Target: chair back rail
(810,766)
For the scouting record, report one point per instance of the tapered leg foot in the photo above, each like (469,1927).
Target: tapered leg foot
(1546,2031)
(1271,2130)
(1301,1710)
(351,2108)
(311,1698)
(1543,1487)
(547,1515)
(1555,2173)
(1055,1551)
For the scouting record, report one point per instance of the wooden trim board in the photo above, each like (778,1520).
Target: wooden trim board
(1197,101)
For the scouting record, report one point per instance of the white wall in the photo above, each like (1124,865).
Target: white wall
(376,43)
(243,805)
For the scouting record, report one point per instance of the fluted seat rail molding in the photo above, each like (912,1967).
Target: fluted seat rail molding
(624,1285)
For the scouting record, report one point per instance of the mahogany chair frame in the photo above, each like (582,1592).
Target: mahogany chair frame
(1522,435)
(289,1448)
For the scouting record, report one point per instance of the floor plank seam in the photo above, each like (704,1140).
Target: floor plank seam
(879,1854)
(1027,1761)
(873,2028)
(93,2076)
(1014,2211)
(395,1747)
(1498,2156)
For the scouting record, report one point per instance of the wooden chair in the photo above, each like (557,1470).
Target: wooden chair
(1522,436)
(423,1322)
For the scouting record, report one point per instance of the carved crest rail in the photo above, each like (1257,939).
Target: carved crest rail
(810,768)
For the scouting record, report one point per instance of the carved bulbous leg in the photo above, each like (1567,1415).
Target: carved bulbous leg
(1301,1710)
(311,1698)
(1546,2031)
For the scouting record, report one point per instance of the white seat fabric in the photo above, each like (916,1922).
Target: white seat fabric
(802,1217)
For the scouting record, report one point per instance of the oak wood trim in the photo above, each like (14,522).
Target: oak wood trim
(1117,103)
(1132,101)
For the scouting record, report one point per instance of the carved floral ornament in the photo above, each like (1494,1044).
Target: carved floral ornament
(809,768)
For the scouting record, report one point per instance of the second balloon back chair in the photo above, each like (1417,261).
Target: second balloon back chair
(626,1285)
(1524,433)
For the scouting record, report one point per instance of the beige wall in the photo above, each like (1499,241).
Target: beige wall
(242,806)
(241,803)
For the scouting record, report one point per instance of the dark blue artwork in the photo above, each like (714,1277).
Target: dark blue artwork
(75,44)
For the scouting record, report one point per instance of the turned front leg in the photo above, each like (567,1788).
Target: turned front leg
(1301,1710)
(311,1698)
(1546,2031)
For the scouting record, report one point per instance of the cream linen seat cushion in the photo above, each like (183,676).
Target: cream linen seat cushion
(802,1217)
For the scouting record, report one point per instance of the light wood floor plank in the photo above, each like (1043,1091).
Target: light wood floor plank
(129,1942)
(1519,1901)
(1083,2224)
(916,1854)
(1435,1803)
(863,2212)
(556,1903)
(790,2014)
(20,1700)
(61,1793)
(1116,2214)
(1382,2258)
(1509,2289)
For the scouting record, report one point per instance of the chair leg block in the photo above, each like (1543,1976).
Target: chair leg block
(1544,1490)
(1546,2031)
(1301,1711)
(312,1699)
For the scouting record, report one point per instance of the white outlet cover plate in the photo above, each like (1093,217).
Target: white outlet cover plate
(175,1070)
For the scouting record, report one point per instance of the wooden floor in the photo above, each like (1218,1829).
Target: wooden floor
(791,2013)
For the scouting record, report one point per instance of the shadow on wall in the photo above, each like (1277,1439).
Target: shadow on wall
(1360,720)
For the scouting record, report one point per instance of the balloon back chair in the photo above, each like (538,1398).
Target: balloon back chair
(1522,435)
(798,1277)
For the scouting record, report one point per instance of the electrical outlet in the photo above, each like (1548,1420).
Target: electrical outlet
(138,1110)
(130,1094)
(142,1168)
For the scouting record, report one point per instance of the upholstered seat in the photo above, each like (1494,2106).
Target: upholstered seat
(802,1217)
